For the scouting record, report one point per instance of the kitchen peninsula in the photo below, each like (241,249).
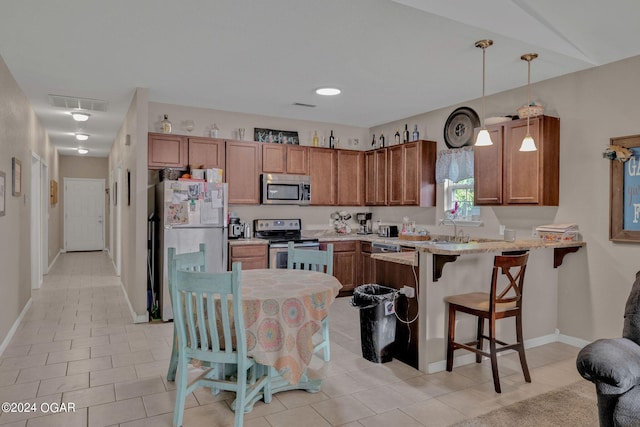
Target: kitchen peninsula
(468,269)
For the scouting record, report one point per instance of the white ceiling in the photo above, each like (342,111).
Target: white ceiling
(392,59)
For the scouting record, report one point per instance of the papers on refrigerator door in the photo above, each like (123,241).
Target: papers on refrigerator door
(211,208)
(177,213)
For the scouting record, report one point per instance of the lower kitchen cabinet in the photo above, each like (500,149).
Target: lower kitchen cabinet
(251,256)
(366,264)
(345,263)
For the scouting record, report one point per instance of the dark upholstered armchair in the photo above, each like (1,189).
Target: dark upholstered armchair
(613,365)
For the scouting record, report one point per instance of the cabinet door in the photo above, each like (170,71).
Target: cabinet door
(206,152)
(167,151)
(251,256)
(243,166)
(411,176)
(350,178)
(274,158)
(370,173)
(297,160)
(395,167)
(367,272)
(487,175)
(322,168)
(381,177)
(522,169)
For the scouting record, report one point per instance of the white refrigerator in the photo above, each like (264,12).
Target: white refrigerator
(190,213)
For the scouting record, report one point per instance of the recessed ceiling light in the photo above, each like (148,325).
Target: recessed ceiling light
(80,116)
(82,136)
(82,151)
(328,91)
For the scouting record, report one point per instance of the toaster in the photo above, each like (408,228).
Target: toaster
(388,231)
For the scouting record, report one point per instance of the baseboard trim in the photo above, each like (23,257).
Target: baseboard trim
(137,318)
(469,358)
(54,260)
(14,328)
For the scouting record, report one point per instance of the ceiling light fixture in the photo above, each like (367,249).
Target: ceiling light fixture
(82,136)
(82,151)
(528,144)
(80,116)
(483,138)
(328,91)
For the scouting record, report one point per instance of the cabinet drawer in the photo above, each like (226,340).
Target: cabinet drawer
(365,247)
(248,251)
(341,246)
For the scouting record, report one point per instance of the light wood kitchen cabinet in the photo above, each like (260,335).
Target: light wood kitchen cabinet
(345,263)
(206,152)
(281,158)
(323,170)
(251,256)
(167,151)
(411,174)
(351,177)
(504,175)
(376,177)
(243,165)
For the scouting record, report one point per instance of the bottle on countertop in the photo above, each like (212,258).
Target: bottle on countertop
(315,138)
(214,131)
(416,134)
(373,141)
(381,139)
(165,125)
(397,136)
(405,134)
(332,140)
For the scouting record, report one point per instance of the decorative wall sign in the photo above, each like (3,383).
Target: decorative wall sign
(16,180)
(277,136)
(3,191)
(53,192)
(624,195)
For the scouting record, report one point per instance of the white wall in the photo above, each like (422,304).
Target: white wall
(20,134)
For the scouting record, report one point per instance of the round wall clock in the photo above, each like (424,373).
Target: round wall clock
(458,130)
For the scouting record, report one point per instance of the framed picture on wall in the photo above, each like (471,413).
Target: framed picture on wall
(3,186)
(16,180)
(624,193)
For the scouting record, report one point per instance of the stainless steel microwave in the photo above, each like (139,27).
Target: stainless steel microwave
(286,189)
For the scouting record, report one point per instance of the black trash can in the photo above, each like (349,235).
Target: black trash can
(377,321)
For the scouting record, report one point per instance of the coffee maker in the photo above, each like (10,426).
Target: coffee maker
(364,218)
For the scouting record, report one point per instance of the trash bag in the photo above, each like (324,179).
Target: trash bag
(377,321)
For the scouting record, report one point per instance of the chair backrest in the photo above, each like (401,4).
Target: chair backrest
(513,268)
(311,259)
(190,261)
(205,317)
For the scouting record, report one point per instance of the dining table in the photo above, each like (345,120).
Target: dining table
(283,309)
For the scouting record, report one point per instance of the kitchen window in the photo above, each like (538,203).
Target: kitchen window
(461,192)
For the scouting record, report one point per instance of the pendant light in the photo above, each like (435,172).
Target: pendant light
(483,138)
(528,144)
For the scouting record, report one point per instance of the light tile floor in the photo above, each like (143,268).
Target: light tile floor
(77,345)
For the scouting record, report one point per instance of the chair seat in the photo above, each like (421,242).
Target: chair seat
(478,301)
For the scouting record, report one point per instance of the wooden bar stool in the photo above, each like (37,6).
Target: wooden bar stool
(502,302)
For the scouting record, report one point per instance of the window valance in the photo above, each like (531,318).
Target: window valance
(455,165)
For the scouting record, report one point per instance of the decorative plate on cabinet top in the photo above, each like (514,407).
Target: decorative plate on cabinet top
(458,130)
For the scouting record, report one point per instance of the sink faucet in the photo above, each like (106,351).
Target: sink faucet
(455,227)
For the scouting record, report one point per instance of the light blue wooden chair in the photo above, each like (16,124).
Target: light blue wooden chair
(191,261)
(314,260)
(210,325)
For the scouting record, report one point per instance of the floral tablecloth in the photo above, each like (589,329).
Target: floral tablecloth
(282,310)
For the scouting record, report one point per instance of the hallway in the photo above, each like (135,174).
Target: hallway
(77,345)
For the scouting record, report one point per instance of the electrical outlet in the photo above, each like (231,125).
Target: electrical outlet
(408,291)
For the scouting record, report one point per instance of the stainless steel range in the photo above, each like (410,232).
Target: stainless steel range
(279,232)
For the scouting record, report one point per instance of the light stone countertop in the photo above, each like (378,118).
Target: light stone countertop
(252,241)
(405,258)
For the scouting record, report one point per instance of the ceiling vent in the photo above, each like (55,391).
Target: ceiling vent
(300,104)
(78,103)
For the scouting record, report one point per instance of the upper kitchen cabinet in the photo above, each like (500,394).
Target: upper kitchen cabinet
(323,166)
(375,177)
(411,175)
(206,152)
(351,177)
(243,165)
(504,175)
(167,151)
(283,158)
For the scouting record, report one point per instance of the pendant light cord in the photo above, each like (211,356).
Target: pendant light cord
(528,95)
(484,53)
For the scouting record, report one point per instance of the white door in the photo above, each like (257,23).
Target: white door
(83,214)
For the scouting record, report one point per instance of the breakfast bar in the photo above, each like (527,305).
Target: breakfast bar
(454,268)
